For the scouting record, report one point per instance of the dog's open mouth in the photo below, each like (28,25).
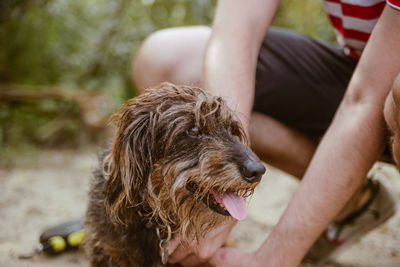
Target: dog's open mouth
(228,204)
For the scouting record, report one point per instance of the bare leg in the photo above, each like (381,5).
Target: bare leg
(279,145)
(392,117)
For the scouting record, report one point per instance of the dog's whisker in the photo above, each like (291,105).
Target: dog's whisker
(179,181)
(149,185)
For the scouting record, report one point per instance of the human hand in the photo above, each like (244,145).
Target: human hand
(199,251)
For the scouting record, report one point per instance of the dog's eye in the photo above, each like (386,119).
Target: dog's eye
(194,131)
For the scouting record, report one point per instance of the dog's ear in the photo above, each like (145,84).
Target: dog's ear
(129,164)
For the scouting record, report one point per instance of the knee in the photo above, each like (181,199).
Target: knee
(392,118)
(164,54)
(396,90)
(152,62)
(392,106)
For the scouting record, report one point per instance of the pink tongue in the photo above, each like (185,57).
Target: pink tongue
(234,204)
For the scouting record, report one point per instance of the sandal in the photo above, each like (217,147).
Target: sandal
(339,235)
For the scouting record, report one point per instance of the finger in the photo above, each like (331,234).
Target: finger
(180,252)
(228,257)
(192,260)
(173,244)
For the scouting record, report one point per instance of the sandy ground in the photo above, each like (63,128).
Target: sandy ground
(54,190)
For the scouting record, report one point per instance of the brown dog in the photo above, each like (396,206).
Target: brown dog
(177,165)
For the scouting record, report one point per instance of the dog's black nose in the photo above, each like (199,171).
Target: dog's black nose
(252,170)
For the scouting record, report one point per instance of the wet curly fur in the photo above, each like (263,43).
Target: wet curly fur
(174,145)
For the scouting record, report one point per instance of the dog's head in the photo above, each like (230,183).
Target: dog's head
(179,153)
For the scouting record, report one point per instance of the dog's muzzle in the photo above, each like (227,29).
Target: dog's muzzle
(232,202)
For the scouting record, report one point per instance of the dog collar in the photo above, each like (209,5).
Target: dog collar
(164,244)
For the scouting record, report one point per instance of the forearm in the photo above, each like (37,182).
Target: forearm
(231,56)
(345,154)
(231,77)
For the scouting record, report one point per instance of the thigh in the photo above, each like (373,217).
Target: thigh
(301,81)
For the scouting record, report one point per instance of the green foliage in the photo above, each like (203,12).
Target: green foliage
(307,16)
(87,44)
(38,119)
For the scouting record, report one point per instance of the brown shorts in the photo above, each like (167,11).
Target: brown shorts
(301,81)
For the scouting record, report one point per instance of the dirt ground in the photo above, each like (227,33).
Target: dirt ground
(54,189)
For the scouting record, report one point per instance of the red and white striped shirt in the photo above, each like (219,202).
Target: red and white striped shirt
(354,20)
